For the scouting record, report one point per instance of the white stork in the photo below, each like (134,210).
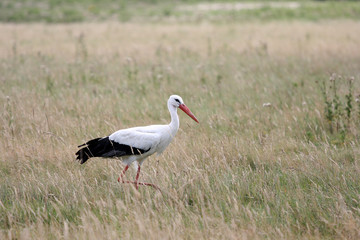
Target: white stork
(136,144)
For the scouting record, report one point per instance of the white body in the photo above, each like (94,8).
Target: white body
(154,137)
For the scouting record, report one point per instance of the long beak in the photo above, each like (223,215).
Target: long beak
(188,112)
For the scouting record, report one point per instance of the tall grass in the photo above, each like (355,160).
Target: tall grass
(246,171)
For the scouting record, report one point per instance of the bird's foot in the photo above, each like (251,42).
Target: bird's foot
(120,179)
(142,183)
(150,185)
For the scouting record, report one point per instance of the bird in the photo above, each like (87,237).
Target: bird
(134,145)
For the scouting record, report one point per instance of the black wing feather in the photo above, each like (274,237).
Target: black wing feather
(104,147)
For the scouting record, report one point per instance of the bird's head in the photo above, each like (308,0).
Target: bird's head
(177,102)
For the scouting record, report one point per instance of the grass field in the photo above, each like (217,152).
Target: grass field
(54,11)
(249,170)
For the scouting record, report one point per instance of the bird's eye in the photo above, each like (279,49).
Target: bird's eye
(177,100)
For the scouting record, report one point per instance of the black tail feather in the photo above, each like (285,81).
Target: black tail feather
(83,155)
(88,150)
(104,147)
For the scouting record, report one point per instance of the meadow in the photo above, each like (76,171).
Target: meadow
(158,11)
(266,161)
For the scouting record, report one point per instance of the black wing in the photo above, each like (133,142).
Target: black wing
(104,147)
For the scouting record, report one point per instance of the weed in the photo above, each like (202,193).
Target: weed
(9,116)
(81,49)
(336,102)
(329,113)
(349,99)
(357,100)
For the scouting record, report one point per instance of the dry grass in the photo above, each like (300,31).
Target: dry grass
(300,39)
(246,171)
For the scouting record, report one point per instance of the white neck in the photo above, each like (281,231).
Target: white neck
(174,124)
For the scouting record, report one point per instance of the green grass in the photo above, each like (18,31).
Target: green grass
(244,171)
(311,11)
(52,11)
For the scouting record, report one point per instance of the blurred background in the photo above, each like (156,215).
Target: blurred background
(51,11)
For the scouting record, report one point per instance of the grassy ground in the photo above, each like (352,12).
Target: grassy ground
(246,171)
(52,11)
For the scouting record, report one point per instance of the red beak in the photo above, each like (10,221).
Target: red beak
(188,112)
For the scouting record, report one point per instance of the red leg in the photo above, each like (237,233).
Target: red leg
(123,173)
(137,178)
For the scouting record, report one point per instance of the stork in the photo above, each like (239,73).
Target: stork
(134,145)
